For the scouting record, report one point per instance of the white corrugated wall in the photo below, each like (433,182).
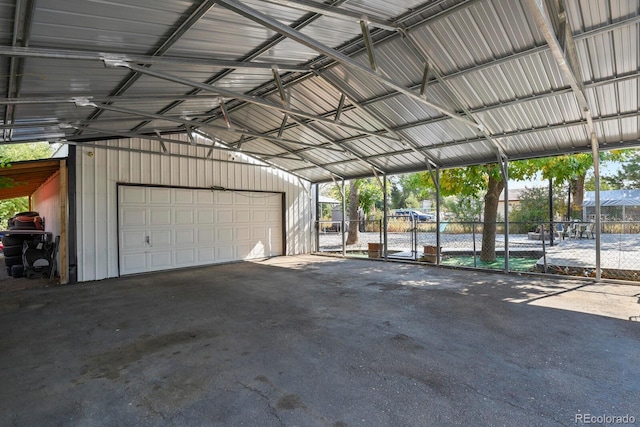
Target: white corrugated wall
(46,201)
(99,170)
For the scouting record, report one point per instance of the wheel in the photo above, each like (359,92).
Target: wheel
(15,250)
(10,261)
(15,239)
(17,271)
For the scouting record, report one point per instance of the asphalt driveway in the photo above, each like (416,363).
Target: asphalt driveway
(315,341)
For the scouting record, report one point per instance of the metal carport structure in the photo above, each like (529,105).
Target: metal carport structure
(325,91)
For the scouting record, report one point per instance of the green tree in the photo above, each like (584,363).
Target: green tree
(487,179)
(464,208)
(362,194)
(628,177)
(533,209)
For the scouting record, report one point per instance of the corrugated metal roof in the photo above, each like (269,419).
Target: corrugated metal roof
(90,71)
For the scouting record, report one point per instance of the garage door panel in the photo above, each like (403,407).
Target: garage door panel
(260,200)
(274,216)
(225,235)
(205,198)
(258,251)
(160,216)
(205,236)
(159,238)
(165,228)
(206,255)
(225,216)
(258,216)
(182,197)
(242,216)
(242,234)
(159,260)
(205,216)
(185,257)
(133,195)
(133,240)
(225,253)
(184,217)
(160,196)
(133,217)
(259,233)
(185,237)
(224,198)
(241,199)
(136,263)
(243,250)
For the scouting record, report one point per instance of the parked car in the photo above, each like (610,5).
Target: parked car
(413,213)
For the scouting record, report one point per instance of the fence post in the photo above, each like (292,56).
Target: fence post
(475,259)
(544,249)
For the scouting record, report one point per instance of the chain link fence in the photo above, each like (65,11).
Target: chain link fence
(569,250)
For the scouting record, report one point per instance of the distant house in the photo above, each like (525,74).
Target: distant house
(514,200)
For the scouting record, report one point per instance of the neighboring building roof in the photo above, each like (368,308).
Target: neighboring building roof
(514,195)
(613,198)
(328,200)
(448,83)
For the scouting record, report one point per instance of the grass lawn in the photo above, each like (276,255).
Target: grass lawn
(515,264)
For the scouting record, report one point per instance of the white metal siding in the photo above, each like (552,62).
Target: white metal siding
(99,175)
(46,201)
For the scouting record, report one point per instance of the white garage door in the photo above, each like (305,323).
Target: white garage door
(163,228)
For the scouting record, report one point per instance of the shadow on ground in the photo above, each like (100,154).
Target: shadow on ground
(316,341)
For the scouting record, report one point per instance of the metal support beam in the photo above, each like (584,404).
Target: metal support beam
(162,140)
(225,114)
(385,208)
(596,173)
(255,53)
(453,93)
(196,13)
(22,20)
(425,79)
(283,125)
(85,55)
(247,98)
(346,149)
(337,56)
(278,80)
(368,43)
(566,57)
(340,107)
(193,123)
(344,89)
(504,169)
(435,177)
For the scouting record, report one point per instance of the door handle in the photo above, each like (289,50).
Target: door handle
(147,240)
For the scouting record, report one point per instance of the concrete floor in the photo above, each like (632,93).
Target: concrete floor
(316,341)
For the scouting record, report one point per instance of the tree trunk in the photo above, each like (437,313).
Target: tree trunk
(494,188)
(354,197)
(577,193)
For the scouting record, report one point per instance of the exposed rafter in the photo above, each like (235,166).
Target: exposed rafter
(23,16)
(83,55)
(250,99)
(343,59)
(197,12)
